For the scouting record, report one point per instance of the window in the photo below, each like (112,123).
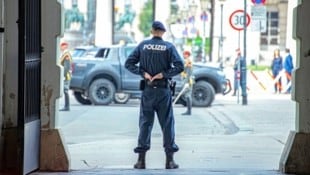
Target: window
(270,37)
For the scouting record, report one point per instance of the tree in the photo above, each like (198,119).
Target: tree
(145,17)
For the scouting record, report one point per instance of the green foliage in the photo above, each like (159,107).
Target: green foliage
(258,67)
(146,18)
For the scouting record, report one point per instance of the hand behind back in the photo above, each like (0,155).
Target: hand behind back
(149,77)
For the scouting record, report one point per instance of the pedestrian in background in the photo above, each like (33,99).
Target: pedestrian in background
(66,61)
(187,76)
(237,71)
(276,67)
(288,67)
(157,61)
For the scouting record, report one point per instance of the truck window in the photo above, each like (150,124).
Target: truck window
(128,51)
(111,53)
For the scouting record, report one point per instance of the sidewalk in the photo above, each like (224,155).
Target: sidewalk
(165,172)
(234,140)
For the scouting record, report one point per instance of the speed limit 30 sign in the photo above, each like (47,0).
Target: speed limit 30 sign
(237,20)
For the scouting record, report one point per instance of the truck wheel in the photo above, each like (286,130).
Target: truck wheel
(101,92)
(203,94)
(81,98)
(121,98)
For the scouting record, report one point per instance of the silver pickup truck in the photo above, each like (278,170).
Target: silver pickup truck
(100,78)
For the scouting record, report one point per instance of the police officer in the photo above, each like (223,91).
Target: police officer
(156,61)
(237,71)
(188,81)
(66,61)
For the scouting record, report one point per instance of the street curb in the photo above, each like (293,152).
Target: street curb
(232,123)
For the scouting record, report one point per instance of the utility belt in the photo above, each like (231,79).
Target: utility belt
(158,84)
(154,84)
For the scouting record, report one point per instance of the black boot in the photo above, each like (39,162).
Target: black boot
(170,164)
(189,107)
(141,162)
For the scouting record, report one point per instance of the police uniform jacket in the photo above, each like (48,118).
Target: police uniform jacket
(155,56)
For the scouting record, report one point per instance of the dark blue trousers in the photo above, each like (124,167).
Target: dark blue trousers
(159,101)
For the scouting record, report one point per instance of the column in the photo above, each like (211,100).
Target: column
(103,33)
(162,11)
(295,157)
(53,152)
(1,75)
(10,90)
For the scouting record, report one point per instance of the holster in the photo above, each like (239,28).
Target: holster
(172,85)
(142,85)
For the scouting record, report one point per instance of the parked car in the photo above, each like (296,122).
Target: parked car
(87,51)
(103,78)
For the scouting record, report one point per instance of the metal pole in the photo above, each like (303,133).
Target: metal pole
(204,42)
(154,9)
(221,38)
(203,18)
(239,70)
(239,40)
(113,21)
(243,66)
(211,30)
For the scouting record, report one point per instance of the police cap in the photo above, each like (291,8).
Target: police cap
(187,52)
(157,25)
(62,44)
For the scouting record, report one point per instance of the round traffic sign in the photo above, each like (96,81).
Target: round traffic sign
(237,19)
